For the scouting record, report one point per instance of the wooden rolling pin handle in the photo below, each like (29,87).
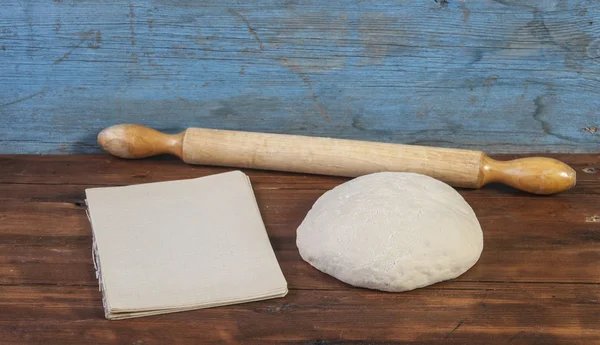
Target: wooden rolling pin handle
(538,175)
(135,141)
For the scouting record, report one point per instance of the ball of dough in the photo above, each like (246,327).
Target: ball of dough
(391,231)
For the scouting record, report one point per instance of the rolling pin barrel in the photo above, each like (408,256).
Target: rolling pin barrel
(339,157)
(326,156)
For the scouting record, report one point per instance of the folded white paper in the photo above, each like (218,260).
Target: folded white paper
(180,245)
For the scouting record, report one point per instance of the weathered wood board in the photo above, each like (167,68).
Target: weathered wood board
(502,76)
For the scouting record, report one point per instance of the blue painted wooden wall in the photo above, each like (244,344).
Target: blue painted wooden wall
(502,76)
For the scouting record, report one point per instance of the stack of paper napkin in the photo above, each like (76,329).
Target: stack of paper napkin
(180,245)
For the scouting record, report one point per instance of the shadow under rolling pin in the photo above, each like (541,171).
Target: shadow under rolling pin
(338,157)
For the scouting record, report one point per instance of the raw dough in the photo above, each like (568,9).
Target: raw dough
(391,231)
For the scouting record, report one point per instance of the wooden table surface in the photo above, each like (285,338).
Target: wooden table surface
(537,282)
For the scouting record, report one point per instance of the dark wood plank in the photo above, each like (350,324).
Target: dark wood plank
(469,313)
(538,279)
(526,239)
(52,169)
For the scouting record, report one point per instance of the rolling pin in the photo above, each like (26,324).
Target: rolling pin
(338,157)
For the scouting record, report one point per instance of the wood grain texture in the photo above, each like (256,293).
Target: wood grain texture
(498,76)
(538,279)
